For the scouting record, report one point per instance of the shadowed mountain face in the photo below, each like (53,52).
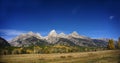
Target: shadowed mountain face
(100,43)
(31,41)
(3,43)
(73,39)
(64,41)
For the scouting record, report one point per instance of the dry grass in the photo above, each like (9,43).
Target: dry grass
(109,56)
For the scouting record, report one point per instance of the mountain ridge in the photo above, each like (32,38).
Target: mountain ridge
(54,38)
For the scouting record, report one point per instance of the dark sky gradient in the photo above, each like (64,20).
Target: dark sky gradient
(93,18)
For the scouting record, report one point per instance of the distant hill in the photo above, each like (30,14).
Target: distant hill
(3,43)
(73,39)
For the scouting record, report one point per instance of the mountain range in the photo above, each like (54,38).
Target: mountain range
(53,38)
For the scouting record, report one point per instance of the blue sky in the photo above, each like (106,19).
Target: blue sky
(92,18)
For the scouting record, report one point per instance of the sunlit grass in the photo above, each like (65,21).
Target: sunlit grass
(109,56)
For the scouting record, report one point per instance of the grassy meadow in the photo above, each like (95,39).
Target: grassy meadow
(108,56)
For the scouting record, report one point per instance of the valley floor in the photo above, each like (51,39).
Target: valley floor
(108,56)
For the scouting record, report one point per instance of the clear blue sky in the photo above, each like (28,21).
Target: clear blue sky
(92,18)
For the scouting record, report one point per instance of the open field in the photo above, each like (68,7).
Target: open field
(108,56)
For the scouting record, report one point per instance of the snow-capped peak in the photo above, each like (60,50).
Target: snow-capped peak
(30,33)
(62,35)
(33,34)
(52,33)
(27,35)
(38,34)
(74,34)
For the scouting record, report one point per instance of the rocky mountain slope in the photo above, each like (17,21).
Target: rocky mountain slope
(3,43)
(73,39)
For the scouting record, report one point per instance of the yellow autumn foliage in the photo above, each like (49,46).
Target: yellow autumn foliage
(111,44)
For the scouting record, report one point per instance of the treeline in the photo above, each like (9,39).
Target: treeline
(47,49)
(113,45)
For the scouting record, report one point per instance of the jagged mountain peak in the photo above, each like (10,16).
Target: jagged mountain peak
(33,34)
(53,30)
(30,33)
(52,33)
(38,34)
(74,33)
(27,35)
(63,35)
